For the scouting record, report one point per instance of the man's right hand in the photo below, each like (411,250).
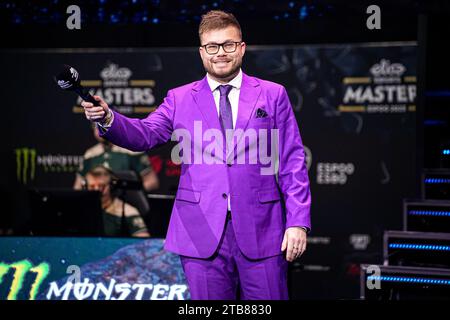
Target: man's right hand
(96,113)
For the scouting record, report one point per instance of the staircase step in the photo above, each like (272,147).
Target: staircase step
(404,283)
(426,215)
(416,249)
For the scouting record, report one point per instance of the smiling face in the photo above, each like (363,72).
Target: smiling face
(222,66)
(98,182)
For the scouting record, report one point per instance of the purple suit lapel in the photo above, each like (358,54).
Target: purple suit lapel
(204,100)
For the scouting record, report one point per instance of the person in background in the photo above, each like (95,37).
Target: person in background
(99,179)
(116,158)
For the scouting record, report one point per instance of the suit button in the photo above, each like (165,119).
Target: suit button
(224,195)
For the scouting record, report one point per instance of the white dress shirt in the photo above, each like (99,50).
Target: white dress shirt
(233,96)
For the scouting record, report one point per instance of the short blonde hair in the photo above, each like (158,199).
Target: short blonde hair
(217,19)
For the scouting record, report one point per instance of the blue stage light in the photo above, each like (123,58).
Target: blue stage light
(435,122)
(429,213)
(437,180)
(303,12)
(419,246)
(410,280)
(442,93)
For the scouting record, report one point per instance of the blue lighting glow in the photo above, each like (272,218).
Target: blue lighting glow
(419,247)
(446,152)
(410,280)
(435,122)
(131,12)
(436,180)
(429,213)
(114,18)
(303,12)
(442,93)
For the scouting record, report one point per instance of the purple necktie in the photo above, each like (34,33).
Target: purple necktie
(226,118)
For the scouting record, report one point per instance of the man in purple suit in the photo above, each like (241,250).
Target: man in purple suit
(234,224)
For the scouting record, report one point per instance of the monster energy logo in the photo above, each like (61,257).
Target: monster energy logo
(27,160)
(21,269)
(26,164)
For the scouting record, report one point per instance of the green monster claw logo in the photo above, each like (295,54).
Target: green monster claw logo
(21,268)
(26,164)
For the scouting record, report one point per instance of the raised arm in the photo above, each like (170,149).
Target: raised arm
(130,133)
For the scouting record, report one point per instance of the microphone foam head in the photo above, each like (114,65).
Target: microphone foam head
(68,79)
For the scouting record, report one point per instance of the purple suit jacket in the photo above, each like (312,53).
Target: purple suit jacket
(262,206)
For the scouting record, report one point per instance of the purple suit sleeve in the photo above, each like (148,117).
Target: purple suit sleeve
(292,172)
(143,134)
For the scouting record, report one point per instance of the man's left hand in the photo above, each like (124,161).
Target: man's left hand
(295,242)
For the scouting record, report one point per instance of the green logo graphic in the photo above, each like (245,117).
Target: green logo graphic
(25,164)
(21,269)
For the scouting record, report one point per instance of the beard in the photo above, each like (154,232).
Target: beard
(224,75)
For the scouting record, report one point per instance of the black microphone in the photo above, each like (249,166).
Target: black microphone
(69,79)
(126,184)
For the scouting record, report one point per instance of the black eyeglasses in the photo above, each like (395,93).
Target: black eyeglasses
(228,47)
